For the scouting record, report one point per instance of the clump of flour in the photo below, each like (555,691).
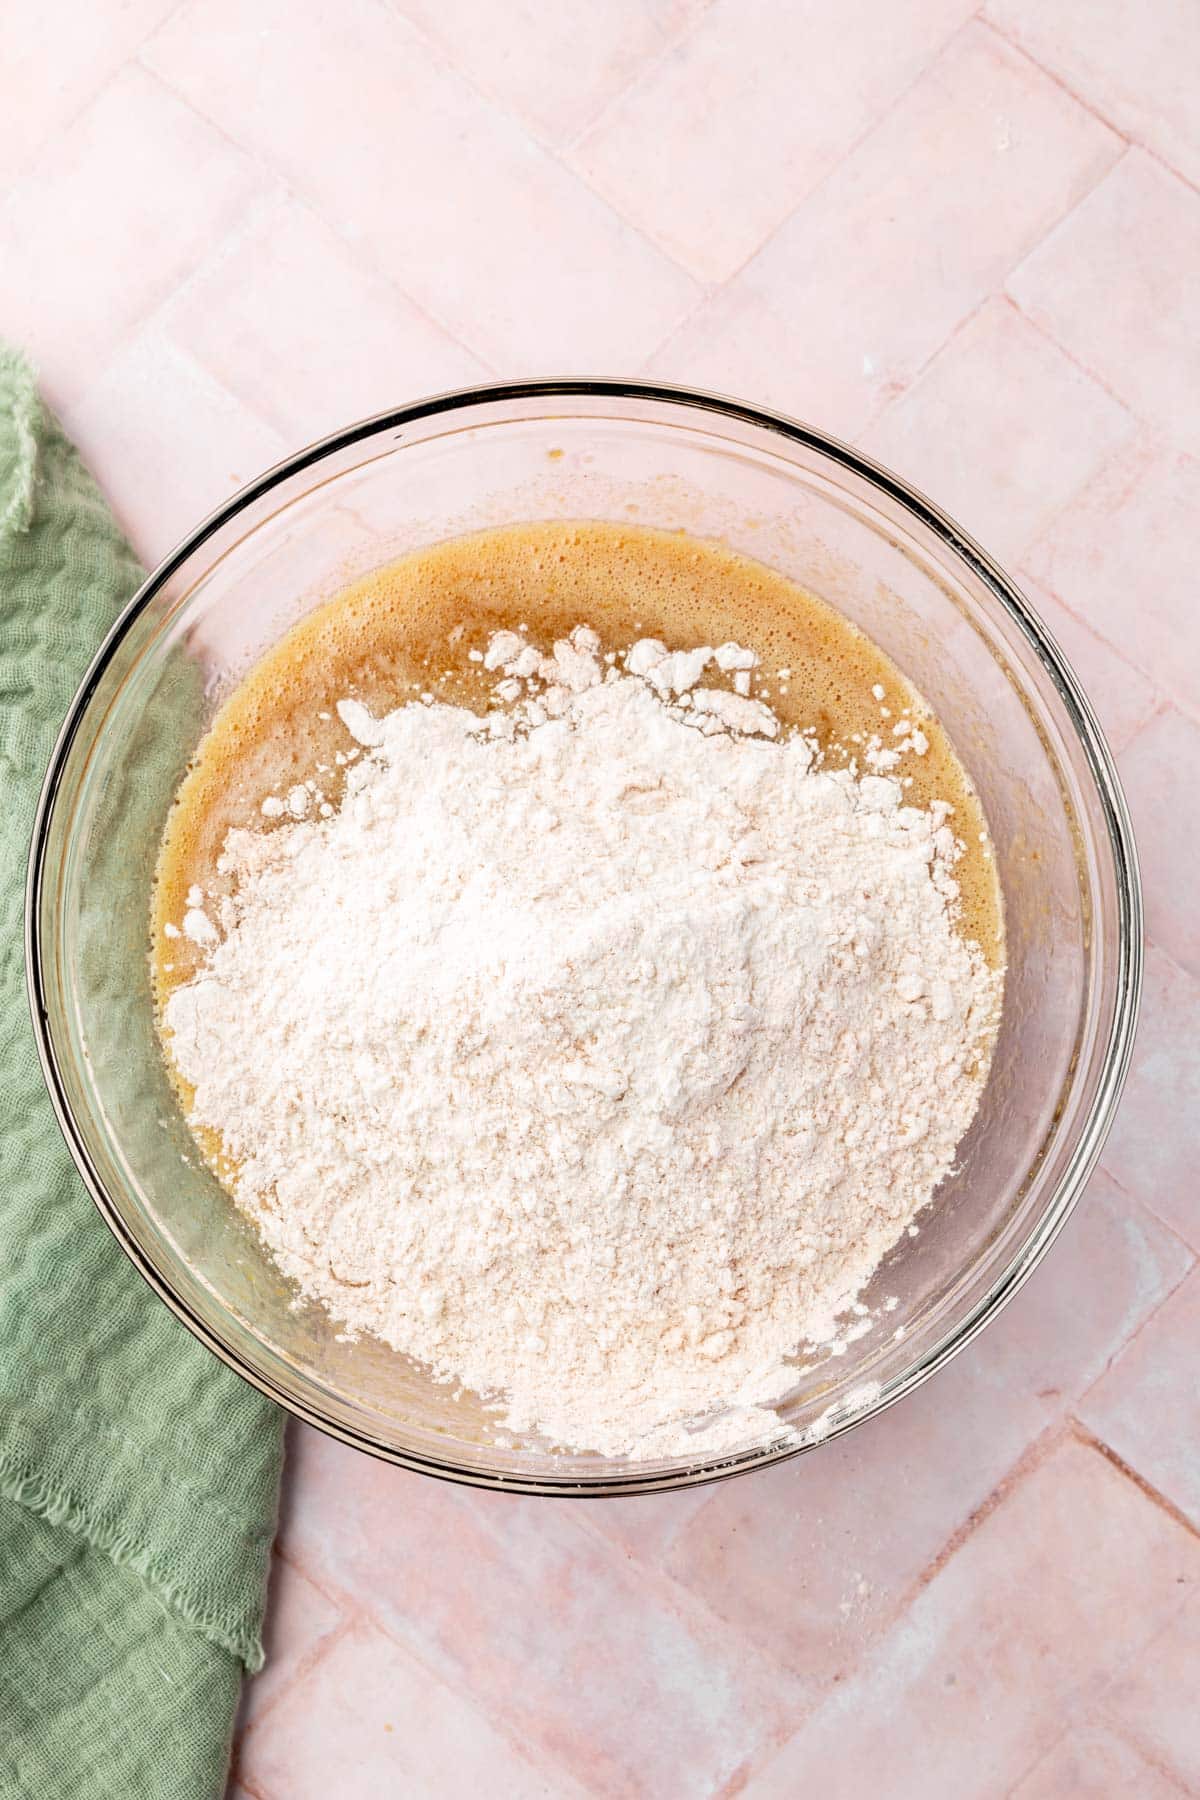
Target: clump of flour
(594,1052)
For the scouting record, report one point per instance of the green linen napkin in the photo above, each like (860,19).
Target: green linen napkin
(138,1475)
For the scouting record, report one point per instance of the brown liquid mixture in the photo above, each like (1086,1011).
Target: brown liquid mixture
(407,630)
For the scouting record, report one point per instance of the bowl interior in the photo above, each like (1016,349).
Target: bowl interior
(848,533)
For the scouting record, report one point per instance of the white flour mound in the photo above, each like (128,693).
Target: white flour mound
(594,1055)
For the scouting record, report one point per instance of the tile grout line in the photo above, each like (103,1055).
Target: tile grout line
(305,1667)
(909,387)
(679,1600)
(1162,448)
(277,202)
(868,130)
(1036,1451)
(1148,1318)
(1146,1206)
(1128,1734)
(1025,578)
(1120,1728)
(154,319)
(1006,294)
(714,288)
(392,9)
(256,204)
(543,1761)
(271,201)
(131,59)
(1153,943)
(338,1596)
(653,56)
(1091,1717)
(1062,1431)
(599,1536)
(1085,1435)
(1193,1250)
(1169,168)
(124,342)
(682,1600)
(1050,232)
(255,1792)
(1051,75)
(1131,138)
(540,1759)
(1041,1757)
(653,62)
(706,295)
(285,189)
(1000,296)
(1163,702)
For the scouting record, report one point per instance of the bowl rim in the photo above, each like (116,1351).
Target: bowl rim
(1114,1059)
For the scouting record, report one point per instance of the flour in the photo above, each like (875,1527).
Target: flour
(595,1053)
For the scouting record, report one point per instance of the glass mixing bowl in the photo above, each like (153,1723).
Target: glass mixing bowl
(846,530)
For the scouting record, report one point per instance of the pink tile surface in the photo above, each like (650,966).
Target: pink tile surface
(555,66)
(55,56)
(725,106)
(394,1731)
(165,468)
(301,1624)
(1153,1699)
(97,231)
(817,1557)
(544,1623)
(1147,1407)
(1116,286)
(1094,1764)
(1134,64)
(972,241)
(963,431)
(1154,1149)
(1024,1623)
(1158,769)
(873,272)
(646,1528)
(362,344)
(1120,557)
(453,199)
(1124,699)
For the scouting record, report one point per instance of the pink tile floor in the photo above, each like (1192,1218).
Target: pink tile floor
(968,238)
